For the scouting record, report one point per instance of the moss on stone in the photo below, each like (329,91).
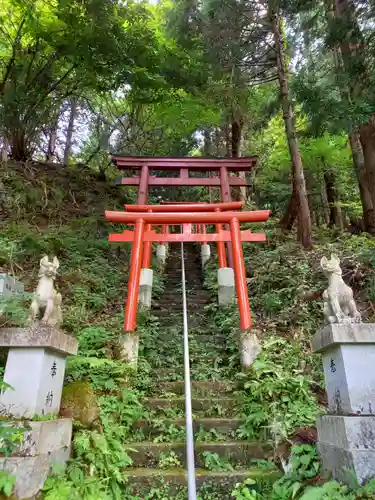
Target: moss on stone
(79,402)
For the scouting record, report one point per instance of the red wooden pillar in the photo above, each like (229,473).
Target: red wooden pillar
(134,276)
(220,247)
(142,200)
(143,186)
(240,275)
(226,197)
(147,249)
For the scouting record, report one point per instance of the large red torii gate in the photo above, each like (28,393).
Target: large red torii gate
(222,168)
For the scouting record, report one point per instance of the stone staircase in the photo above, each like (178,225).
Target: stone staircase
(158,453)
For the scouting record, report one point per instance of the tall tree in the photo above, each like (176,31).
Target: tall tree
(299,206)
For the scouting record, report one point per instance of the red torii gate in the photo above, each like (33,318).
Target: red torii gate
(221,167)
(144,217)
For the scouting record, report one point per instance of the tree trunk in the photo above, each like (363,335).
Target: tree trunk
(290,216)
(335,212)
(236,138)
(360,170)
(70,130)
(239,194)
(4,150)
(207,142)
(227,141)
(367,138)
(352,56)
(52,144)
(299,184)
(310,199)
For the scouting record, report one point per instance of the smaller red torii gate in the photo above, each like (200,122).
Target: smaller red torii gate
(146,216)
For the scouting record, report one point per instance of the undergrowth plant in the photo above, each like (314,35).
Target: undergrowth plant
(278,394)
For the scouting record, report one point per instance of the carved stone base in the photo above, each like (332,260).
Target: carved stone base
(46,443)
(250,348)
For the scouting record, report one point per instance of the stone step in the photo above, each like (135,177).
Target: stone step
(198,388)
(222,426)
(148,454)
(207,407)
(210,340)
(141,480)
(197,359)
(177,373)
(178,300)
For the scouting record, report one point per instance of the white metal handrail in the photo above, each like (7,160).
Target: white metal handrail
(192,490)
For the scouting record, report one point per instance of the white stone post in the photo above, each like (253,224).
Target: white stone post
(346,437)
(161,254)
(129,345)
(205,253)
(145,287)
(35,369)
(226,286)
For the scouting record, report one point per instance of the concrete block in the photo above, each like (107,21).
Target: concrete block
(342,463)
(129,345)
(226,286)
(145,287)
(46,437)
(32,472)
(249,348)
(351,433)
(348,352)
(161,255)
(205,254)
(9,286)
(39,336)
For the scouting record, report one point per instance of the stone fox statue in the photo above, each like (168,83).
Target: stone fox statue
(46,300)
(339,305)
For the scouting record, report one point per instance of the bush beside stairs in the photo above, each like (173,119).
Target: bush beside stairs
(158,450)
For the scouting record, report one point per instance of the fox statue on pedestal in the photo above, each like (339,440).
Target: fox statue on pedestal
(46,300)
(339,305)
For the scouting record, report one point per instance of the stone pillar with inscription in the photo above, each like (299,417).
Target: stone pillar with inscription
(35,371)
(346,435)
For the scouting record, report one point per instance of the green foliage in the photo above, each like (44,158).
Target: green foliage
(168,459)
(277,395)
(11,436)
(7,482)
(214,462)
(245,490)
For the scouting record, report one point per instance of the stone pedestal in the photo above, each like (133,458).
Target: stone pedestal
(205,254)
(35,369)
(145,287)
(44,444)
(129,345)
(161,255)
(347,435)
(226,286)
(250,348)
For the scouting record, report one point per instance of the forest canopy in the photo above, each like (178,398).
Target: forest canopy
(290,81)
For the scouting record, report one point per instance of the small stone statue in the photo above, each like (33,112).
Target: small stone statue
(339,305)
(46,300)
